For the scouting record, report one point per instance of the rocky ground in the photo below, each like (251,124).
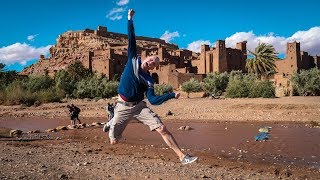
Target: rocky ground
(80,154)
(63,159)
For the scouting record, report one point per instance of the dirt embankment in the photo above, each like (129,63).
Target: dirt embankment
(292,109)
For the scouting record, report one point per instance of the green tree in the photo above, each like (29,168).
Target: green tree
(63,82)
(36,83)
(215,83)
(263,62)
(307,82)
(96,87)
(67,80)
(6,77)
(192,85)
(77,71)
(2,67)
(262,88)
(239,85)
(161,89)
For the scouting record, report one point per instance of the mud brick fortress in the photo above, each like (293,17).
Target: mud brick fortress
(106,53)
(294,61)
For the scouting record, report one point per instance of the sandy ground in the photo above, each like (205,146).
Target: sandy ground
(86,154)
(292,109)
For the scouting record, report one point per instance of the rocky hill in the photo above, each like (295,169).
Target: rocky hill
(77,45)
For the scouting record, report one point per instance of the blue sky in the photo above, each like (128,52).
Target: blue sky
(29,28)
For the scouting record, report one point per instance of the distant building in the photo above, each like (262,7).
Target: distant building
(294,62)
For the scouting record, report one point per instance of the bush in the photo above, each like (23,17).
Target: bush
(307,82)
(96,87)
(64,82)
(192,85)
(239,85)
(263,89)
(2,96)
(50,95)
(16,93)
(235,73)
(76,71)
(110,88)
(6,77)
(36,83)
(67,80)
(247,85)
(161,89)
(214,84)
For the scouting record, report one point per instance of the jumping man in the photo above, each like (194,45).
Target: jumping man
(135,81)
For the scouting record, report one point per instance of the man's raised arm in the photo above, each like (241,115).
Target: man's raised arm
(132,47)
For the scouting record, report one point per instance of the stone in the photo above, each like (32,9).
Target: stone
(96,124)
(51,130)
(15,133)
(59,128)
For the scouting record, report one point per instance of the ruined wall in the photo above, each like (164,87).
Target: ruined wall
(166,74)
(295,60)
(202,69)
(291,63)
(242,46)
(235,60)
(283,85)
(221,59)
(220,62)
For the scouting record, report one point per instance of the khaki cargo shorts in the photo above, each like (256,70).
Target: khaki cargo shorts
(123,114)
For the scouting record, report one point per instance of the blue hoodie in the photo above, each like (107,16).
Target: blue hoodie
(134,81)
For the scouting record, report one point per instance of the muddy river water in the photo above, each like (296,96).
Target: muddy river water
(291,144)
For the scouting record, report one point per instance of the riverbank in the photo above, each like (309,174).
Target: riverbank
(222,137)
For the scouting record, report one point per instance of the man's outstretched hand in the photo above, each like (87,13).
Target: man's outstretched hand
(130,14)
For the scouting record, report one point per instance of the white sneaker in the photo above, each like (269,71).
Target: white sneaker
(106,127)
(187,159)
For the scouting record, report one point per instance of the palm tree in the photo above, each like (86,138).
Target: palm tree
(2,67)
(263,61)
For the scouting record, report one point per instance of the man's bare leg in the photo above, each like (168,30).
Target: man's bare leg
(112,142)
(170,141)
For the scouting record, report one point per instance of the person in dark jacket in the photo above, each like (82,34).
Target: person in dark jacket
(74,112)
(110,111)
(135,83)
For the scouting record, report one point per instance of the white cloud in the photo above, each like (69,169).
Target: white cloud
(195,46)
(116,13)
(21,53)
(309,40)
(114,18)
(122,2)
(168,36)
(32,37)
